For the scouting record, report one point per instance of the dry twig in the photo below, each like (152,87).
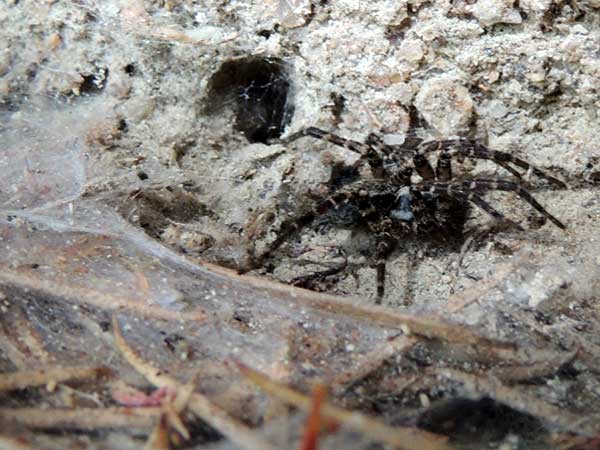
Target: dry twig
(159,438)
(313,422)
(219,419)
(89,296)
(29,338)
(23,379)
(398,437)
(82,418)
(371,362)
(515,374)
(430,328)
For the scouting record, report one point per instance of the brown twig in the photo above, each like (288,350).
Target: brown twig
(159,438)
(82,418)
(23,379)
(313,422)
(29,338)
(398,437)
(426,327)
(170,419)
(371,362)
(219,419)
(89,296)
(576,443)
(515,374)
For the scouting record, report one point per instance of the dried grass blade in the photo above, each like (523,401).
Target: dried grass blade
(82,418)
(371,362)
(515,374)
(430,328)
(28,378)
(88,296)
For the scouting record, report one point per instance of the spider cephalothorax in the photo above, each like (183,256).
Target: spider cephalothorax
(392,206)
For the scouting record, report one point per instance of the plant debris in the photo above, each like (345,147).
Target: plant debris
(138,156)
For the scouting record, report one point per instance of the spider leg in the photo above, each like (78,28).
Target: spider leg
(470,149)
(443,171)
(481,185)
(478,201)
(348,144)
(321,205)
(494,213)
(510,169)
(306,281)
(423,167)
(385,245)
(369,151)
(286,229)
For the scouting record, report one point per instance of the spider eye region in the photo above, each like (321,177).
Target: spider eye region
(403,208)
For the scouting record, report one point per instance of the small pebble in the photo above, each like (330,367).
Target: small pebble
(445,104)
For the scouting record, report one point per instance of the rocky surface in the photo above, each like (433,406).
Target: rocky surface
(178,105)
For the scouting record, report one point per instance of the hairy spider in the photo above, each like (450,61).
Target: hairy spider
(391,206)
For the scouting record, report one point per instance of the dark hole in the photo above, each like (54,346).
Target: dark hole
(594,177)
(142,175)
(172,340)
(545,319)
(157,208)
(129,69)
(568,371)
(202,433)
(265,33)
(258,89)
(483,420)
(31,72)
(94,83)
(122,125)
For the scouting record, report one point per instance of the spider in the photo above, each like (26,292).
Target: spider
(391,205)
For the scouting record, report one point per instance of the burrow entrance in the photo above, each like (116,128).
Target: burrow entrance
(258,90)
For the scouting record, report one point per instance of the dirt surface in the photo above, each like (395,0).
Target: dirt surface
(140,140)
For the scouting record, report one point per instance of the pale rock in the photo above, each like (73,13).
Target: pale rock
(492,76)
(536,74)
(412,50)
(490,12)
(496,109)
(579,29)
(445,105)
(293,13)
(539,6)
(402,92)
